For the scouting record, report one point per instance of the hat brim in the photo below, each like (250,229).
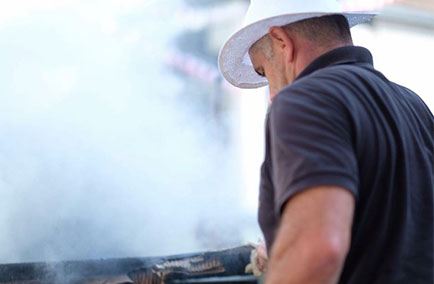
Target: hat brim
(234,61)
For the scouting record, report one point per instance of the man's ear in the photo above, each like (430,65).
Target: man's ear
(282,42)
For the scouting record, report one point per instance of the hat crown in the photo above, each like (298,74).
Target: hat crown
(263,9)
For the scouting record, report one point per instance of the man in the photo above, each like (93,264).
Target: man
(347,182)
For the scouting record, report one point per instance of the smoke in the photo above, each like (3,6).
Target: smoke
(100,156)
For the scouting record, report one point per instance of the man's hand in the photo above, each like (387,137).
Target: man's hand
(261,259)
(313,238)
(258,260)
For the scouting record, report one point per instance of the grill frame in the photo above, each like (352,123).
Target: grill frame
(228,263)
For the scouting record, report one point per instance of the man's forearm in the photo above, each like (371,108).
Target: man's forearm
(303,262)
(313,238)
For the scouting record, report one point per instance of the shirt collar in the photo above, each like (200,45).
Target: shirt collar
(340,55)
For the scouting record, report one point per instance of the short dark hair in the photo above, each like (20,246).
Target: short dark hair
(323,30)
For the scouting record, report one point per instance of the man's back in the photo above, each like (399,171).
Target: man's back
(347,125)
(392,235)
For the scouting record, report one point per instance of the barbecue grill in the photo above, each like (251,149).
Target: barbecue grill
(225,266)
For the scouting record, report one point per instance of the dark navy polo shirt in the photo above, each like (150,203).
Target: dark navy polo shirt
(342,123)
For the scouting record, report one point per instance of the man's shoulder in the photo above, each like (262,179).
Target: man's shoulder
(339,74)
(326,86)
(342,83)
(327,79)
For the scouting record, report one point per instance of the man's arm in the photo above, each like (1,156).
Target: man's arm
(313,238)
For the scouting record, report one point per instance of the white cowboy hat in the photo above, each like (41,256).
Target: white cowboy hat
(234,61)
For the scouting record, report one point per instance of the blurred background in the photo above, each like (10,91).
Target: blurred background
(118,136)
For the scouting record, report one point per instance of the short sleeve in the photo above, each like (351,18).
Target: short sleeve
(311,144)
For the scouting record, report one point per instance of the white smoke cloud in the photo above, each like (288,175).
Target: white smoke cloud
(97,156)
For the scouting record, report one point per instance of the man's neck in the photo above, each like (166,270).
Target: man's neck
(309,52)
